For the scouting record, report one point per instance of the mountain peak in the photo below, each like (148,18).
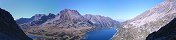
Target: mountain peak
(37,16)
(69,11)
(68,14)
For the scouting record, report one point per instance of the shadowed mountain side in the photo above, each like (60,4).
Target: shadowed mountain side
(9,30)
(167,32)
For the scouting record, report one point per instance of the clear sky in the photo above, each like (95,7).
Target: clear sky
(115,9)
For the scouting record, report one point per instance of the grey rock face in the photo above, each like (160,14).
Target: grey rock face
(9,30)
(152,20)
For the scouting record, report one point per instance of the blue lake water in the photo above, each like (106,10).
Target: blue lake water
(103,34)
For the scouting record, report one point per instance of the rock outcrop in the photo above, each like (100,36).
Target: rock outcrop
(166,32)
(9,30)
(152,20)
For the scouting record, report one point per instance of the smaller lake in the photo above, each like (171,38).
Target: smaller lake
(103,34)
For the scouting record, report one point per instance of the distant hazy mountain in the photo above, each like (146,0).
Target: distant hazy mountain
(9,30)
(151,20)
(68,24)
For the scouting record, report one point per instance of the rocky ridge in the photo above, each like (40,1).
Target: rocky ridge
(149,21)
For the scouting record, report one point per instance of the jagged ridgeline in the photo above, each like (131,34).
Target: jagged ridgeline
(9,30)
(149,21)
(66,25)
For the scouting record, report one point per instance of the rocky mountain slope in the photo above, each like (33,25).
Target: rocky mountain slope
(101,21)
(9,30)
(67,25)
(166,32)
(152,20)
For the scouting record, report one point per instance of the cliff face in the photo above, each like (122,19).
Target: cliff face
(9,30)
(152,20)
(166,32)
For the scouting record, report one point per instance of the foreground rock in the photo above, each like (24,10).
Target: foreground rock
(167,32)
(9,30)
(67,25)
(152,20)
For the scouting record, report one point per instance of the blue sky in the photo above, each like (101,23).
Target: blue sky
(115,9)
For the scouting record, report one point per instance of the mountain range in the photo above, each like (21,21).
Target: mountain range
(66,25)
(157,23)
